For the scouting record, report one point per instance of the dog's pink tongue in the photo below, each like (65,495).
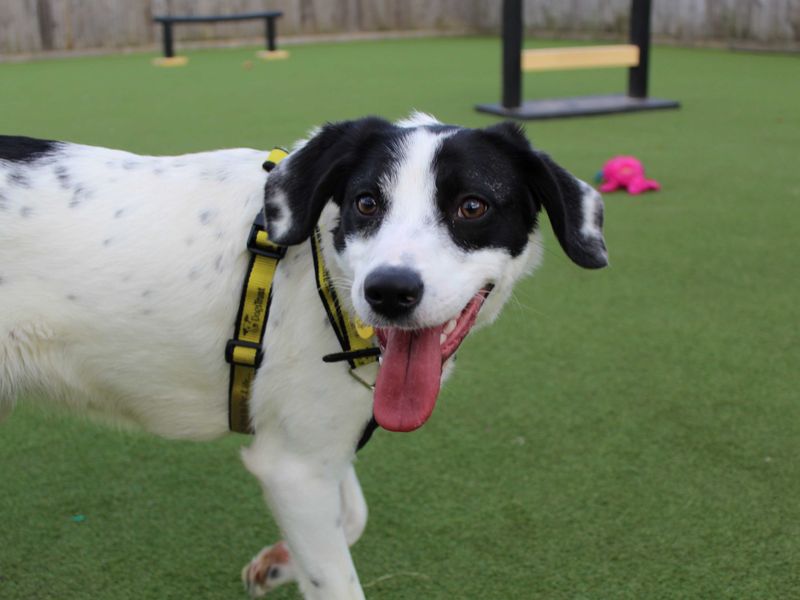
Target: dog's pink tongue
(409,378)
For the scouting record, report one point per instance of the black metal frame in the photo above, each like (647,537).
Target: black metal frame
(636,99)
(270,32)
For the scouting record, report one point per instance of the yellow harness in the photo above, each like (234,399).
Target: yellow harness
(244,351)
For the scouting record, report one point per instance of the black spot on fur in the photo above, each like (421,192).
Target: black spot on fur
(316,583)
(218,264)
(71,297)
(79,194)
(25,212)
(24,149)
(19,179)
(3,202)
(194,273)
(119,213)
(129,165)
(205,217)
(107,242)
(62,174)
(146,293)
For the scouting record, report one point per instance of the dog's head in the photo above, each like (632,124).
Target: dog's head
(431,219)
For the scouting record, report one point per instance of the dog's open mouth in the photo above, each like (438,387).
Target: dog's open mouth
(411,367)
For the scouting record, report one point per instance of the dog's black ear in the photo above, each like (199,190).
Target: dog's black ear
(574,207)
(300,186)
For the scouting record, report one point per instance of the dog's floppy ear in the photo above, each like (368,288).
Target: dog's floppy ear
(575,208)
(300,186)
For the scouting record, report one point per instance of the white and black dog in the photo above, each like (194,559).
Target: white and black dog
(120,277)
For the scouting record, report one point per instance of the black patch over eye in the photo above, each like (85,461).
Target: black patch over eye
(471,208)
(366,205)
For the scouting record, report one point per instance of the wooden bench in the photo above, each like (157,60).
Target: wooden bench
(168,22)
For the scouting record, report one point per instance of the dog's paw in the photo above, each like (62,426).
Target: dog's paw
(269,568)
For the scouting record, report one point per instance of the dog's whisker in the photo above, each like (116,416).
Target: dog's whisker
(525,307)
(345,282)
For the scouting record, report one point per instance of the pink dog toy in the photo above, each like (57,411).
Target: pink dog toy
(626,172)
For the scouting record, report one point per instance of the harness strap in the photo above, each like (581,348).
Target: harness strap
(354,337)
(243,351)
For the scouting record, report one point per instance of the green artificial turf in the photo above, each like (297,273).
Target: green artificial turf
(627,433)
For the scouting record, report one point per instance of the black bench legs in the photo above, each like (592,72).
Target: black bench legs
(168,22)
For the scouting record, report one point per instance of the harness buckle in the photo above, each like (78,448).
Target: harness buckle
(366,374)
(244,354)
(275,156)
(259,244)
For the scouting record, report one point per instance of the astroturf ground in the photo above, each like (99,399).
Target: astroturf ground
(626,433)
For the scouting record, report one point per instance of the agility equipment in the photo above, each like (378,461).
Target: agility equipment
(634,55)
(168,22)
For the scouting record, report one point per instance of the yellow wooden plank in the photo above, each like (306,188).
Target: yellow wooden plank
(272,54)
(580,57)
(172,61)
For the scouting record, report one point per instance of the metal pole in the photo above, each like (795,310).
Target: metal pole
(271,46)
(640,35)
(169,51)
(512,53)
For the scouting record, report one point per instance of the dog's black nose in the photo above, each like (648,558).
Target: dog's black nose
(393,291)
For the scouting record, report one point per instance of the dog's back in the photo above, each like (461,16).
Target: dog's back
(91,241)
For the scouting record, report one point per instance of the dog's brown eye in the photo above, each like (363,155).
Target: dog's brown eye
(367,205)
(472,208)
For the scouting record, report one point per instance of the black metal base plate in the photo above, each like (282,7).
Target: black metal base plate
(577,107)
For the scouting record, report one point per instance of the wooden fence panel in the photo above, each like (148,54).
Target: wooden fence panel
(34,25)
(19,27)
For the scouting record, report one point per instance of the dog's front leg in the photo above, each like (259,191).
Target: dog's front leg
(304,494)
